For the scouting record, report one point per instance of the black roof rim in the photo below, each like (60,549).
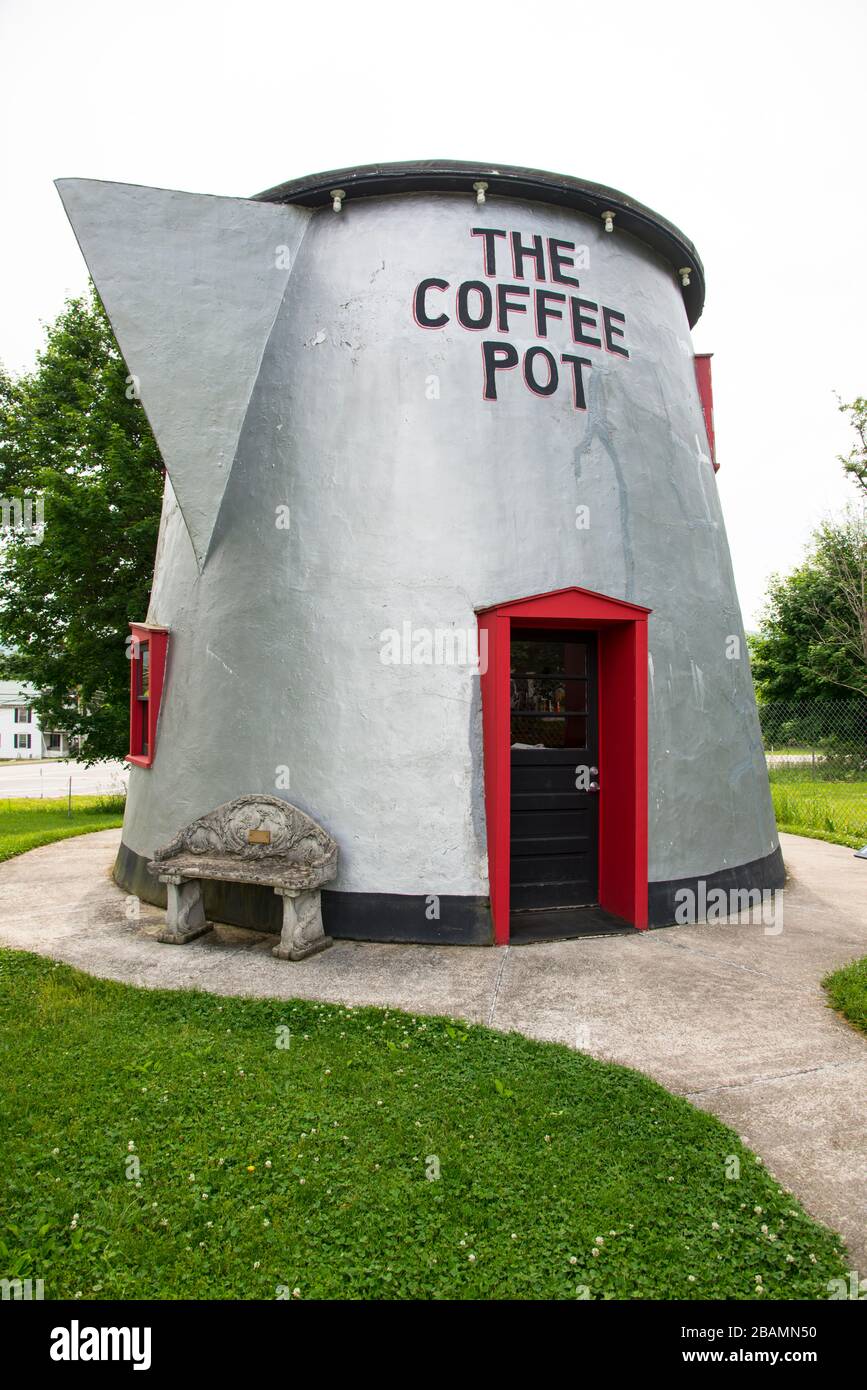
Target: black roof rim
(537,185)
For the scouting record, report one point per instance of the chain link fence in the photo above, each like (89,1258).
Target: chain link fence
(816,752)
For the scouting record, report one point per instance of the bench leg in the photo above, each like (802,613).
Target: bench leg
(185,912)
(303,934)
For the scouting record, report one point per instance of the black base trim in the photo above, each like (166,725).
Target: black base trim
(769,872)
(462,921)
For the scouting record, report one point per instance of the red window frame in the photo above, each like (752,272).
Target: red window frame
(147,654)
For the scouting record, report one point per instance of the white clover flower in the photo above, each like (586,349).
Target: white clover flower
(471,1259)
(600,1240)
(130,1146)
(256,1264)
(595,1250)
(714,1225)
(573,1259)
(691,1278)
(267,1163)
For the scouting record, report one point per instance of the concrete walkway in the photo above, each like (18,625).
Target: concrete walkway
(730,1017)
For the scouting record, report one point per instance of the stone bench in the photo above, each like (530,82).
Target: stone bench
(258,840)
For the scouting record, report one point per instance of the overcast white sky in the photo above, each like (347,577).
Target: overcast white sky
(741,122)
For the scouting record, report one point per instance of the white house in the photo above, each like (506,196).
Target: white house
(20,734)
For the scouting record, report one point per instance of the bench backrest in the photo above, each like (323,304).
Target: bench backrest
(253,827)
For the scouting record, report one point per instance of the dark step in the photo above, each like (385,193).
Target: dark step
(564,924)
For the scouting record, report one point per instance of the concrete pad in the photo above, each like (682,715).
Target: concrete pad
(726,1014)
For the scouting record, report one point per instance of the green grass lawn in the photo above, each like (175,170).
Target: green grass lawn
(847,992)
(178,1144)
(835,811)
(26,822)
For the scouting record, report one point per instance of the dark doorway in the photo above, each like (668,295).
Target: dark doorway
(554,830)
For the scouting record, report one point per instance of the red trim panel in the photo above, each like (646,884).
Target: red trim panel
(144,715)
(704,378)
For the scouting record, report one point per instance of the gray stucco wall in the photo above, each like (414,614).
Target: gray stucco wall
(407,507)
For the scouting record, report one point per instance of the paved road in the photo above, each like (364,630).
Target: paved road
(730,1017)
(26,778)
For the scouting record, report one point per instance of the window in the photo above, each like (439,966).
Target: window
(22,714)
(148,664)
(22,740)
(549,688)
(54,742)
(143,672)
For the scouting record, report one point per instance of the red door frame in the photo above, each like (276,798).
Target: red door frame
(622,636)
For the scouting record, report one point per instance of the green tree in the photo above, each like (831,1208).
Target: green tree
(855,462)
(73,435)
(812,642)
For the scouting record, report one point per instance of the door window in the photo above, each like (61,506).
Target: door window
(549,691)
